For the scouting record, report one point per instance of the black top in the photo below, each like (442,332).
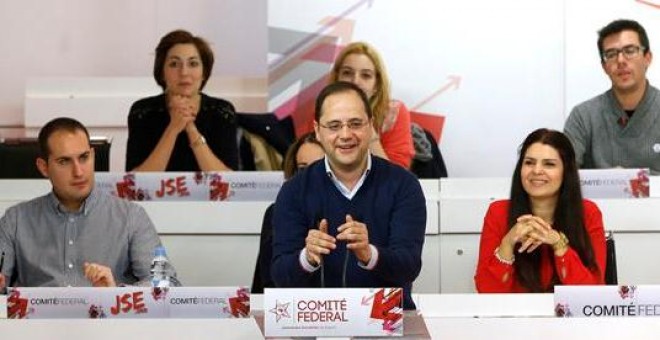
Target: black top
(148,119)
(262,278)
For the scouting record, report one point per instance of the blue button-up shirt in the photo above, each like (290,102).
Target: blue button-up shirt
(46,246)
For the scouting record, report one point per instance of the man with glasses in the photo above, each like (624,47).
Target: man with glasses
(621,127)
(353,219)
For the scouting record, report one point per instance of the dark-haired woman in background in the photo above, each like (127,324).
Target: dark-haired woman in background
(182,129)
(303,152)
(545,234)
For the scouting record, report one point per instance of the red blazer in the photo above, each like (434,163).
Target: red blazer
(491,272)
(396,137)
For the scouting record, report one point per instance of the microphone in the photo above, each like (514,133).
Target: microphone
(346,255)
(344,267)
(2,261)
(317,223)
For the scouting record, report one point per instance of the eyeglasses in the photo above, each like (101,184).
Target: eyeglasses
(336,126)
(629,52)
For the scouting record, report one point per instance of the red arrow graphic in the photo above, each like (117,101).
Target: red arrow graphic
(655,5)
(240,305)
(17,306)
(454,82)
(382,309)
(312,36)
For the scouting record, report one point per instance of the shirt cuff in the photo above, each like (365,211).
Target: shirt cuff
(372,262)
(308,267)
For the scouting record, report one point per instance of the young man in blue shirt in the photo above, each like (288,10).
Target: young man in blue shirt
(75,235)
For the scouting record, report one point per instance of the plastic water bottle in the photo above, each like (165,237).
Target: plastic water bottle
(162,273)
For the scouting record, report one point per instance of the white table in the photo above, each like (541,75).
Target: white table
(527,328)
(447,316)
(131,329)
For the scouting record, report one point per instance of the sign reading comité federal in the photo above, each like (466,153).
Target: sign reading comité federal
(607,301)
(615,183)
(333,312)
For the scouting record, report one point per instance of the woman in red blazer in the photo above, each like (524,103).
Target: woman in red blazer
(545,234)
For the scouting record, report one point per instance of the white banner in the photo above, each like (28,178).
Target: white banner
(3,306)
(615,183)
(607,301)
(128,302)
(333,312)
(192,186)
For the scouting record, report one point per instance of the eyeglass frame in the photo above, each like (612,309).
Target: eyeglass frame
(354,124)
(633,51)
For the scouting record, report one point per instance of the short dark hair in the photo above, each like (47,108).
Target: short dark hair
(182,37)
(55,125)
(290,160)
(621,25)
(340,87)
(568,215)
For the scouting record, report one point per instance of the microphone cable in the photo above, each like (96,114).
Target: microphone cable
(344,267)
(322,262)
(322,274)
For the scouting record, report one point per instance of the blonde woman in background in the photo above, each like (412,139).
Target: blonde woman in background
(360,64)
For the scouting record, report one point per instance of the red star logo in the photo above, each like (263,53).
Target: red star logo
(281,310)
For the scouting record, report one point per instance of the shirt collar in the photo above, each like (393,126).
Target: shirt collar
(85,208)
(340,186)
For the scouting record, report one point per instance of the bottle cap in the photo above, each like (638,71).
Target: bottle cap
(160,251)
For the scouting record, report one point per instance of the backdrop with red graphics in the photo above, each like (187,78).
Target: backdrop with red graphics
(479,74)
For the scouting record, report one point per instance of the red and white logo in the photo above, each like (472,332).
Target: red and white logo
(281,310)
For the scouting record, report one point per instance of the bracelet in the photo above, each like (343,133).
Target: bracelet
(199,141)
(561,243)
(503,260)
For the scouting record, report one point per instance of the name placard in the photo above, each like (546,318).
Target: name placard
(607,301)
(3,306)
(333,312)
(615,183)
(128,302)
(192,186)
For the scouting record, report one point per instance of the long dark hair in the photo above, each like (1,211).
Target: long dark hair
(568,215)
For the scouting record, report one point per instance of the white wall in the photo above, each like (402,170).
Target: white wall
(584,75)
(522,64)
(96,38)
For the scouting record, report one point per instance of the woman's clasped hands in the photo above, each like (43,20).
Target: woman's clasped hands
(531,232)
(182,111)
